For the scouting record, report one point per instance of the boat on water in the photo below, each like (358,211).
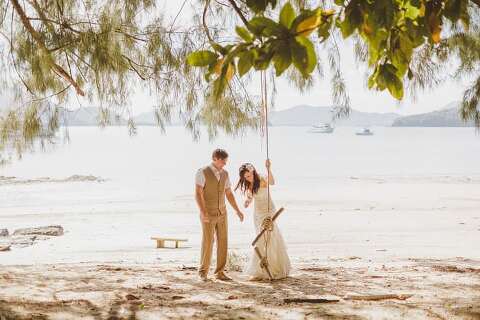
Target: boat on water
(322,128)
(364,132)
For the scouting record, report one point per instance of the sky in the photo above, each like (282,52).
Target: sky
(362,99)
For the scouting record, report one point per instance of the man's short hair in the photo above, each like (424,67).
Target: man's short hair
(219,154)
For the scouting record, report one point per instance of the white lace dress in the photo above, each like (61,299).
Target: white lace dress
(276,251)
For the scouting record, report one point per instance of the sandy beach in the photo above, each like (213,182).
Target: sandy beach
(413,289)
(406,254)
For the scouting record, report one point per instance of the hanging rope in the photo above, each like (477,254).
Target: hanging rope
(266,236)
(265,128)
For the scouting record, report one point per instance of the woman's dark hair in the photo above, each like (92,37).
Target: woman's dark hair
(219,154)
(243,184)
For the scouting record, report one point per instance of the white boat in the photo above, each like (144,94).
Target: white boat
(321,128)
(364,132)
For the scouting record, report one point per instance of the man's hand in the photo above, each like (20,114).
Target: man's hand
(240,215)
(204,217)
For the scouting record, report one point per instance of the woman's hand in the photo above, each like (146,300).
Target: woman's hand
(268,164)
(267,224)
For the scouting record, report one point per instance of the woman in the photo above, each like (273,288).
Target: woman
(271,244)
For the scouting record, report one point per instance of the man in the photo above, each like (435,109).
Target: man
(212,185)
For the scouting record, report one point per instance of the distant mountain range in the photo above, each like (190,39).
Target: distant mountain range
(446,117)
(308,115)
(86,117)
(302,115)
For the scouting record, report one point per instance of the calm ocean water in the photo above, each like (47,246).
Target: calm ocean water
(152,171)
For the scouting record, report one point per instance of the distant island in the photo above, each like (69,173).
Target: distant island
(448,116)
(298,116)
(306,116)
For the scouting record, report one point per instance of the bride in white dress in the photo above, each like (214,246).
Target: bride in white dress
(271,245)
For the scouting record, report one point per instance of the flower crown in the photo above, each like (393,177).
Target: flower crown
(248,166)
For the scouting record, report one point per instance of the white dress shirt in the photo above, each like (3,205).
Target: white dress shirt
(200,176)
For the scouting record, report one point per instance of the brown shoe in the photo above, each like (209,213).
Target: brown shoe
(222,276)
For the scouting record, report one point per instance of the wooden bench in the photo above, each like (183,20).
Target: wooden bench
(161,241)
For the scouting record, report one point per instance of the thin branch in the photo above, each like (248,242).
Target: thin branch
(50,96)
(58,69)
(477,2)
(204,20)
(133,67)
(178,13)
(62,24)
(239,12)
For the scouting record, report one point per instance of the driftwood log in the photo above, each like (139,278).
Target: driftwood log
(303,300)
(377,297)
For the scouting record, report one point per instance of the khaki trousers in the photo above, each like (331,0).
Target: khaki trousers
(216,228)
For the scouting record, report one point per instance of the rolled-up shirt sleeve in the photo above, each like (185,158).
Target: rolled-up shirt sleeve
(200,178)
(228,184)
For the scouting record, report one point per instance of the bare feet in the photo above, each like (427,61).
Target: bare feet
(222,276)
(203,277)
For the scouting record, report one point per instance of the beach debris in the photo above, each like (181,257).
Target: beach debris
(131,297)
(377,297)
(185,268)
(151,287)
(3,232)
(74,178)
(306,300)
(232,297)
(454,269)
(81,178)
(54,230)
(321,269)
(19,241)
(110,268)
(177,297)
(5,248)
(344,258)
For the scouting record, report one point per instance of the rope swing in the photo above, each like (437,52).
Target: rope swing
(267,228)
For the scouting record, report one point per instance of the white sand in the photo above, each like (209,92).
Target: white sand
(417,236)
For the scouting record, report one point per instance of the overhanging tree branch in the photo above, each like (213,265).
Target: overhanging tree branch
(58,69)
(239,12)
(204,21)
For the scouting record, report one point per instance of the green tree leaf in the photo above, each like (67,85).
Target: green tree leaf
(324,29)
(266,27)
(259,6)
(263,56)
(282,58)
(244,34)
(201,58)
(287,15)
(245,62)
(303,54)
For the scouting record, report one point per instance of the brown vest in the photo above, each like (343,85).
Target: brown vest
(214,192)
